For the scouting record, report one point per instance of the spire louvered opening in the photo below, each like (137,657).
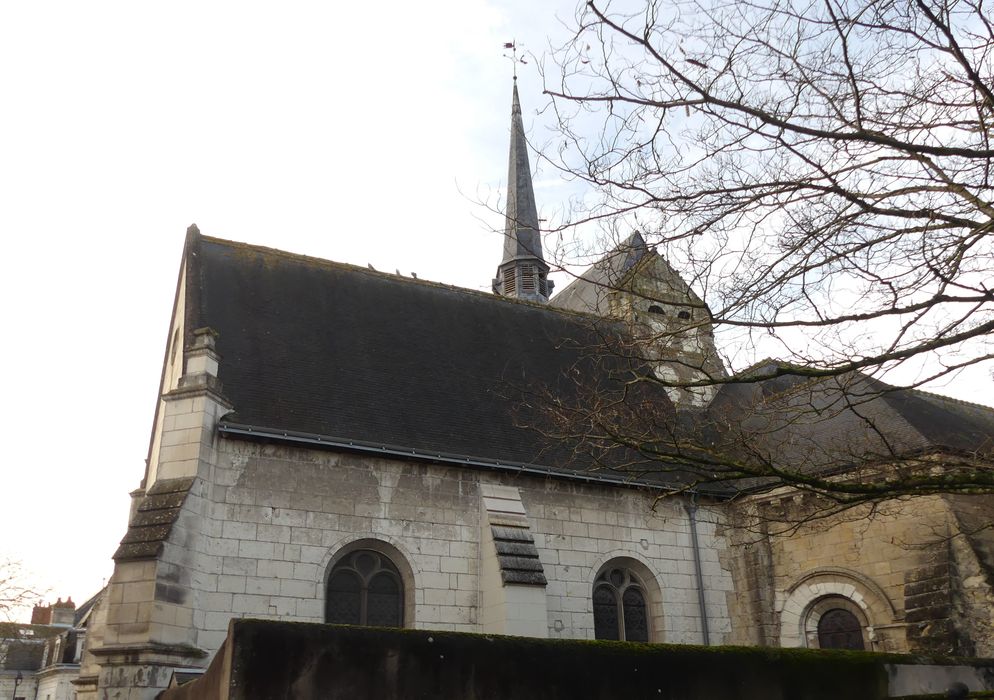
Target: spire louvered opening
(528,279)
(509,281)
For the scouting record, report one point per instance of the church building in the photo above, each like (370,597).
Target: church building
(336,444)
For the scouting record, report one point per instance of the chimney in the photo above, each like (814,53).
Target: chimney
(64,613)
(41,615)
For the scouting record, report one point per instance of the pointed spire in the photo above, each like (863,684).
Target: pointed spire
(521,233)
(522,271)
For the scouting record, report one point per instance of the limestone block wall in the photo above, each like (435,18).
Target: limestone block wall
(274,518)
(972,552)
(580,528)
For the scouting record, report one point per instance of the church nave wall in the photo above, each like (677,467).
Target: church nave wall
(276,517)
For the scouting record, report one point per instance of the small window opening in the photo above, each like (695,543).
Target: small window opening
(175,345)
(656,309)
(684,314)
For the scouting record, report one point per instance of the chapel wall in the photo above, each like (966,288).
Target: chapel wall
(275,516)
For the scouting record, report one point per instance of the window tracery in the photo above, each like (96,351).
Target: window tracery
(365,588)
(620,606)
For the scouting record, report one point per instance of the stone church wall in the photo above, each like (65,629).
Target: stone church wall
(897,564)
(275,517)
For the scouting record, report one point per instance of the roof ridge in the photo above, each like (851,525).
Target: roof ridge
(372,272)
(953,399)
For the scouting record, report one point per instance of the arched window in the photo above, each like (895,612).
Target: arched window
(365,588)
(835,622)
(619,606)
(819,592)
(840,629)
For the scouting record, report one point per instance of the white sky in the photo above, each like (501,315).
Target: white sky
(364,134)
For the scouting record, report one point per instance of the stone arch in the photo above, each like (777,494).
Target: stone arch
(385,546)
(822,589)
(649,579)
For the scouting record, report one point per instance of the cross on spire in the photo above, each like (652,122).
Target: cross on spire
(512,46)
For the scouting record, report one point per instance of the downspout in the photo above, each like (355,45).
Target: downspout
(691,509)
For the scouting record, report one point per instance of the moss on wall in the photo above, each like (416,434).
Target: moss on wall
(300,660)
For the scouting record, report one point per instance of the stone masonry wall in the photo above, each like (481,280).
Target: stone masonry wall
(972,551)
(891,561)
(275,516)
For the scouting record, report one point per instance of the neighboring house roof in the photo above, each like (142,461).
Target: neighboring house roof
(24,655)
(318,348)
(22,646)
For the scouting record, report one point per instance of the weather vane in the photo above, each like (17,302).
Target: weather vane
(513,56)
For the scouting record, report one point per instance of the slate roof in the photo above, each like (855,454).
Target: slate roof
(517,555)
(945,422)
(834,422)
(83,610)
(24,655)
(323,352)
(22,646)
(322,349)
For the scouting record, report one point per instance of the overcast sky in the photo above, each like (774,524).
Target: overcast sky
(358,132)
